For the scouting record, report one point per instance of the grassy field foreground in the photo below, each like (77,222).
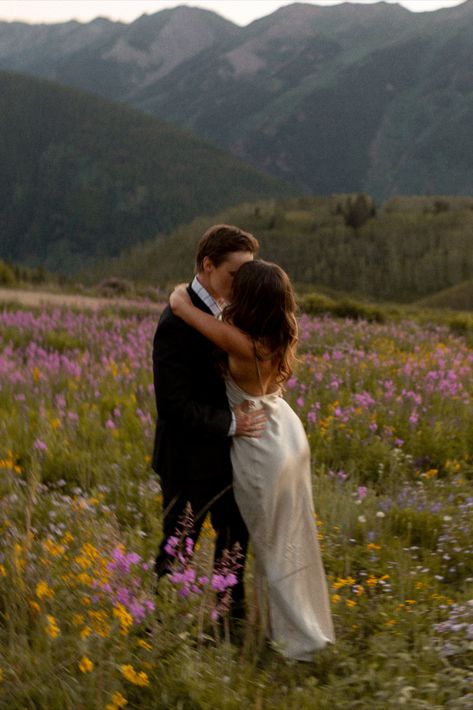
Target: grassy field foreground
(387,408)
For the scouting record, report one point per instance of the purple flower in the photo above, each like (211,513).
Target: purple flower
(184,577)
(221,582)
(123,596)
(361,492)
(137,611)
(171,545)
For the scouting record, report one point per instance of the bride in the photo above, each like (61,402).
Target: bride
(271,474)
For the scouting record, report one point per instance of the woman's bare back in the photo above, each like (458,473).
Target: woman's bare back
(258,375)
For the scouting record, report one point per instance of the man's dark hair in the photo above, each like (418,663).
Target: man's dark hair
(220,240)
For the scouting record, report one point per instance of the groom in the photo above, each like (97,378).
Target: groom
(195,423)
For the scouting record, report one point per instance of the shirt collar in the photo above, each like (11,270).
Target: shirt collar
(205,296)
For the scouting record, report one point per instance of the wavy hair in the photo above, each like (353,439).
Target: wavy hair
(264,306)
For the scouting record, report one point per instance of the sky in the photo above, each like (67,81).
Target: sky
(241,12)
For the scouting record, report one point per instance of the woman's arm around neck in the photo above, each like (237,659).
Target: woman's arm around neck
(226,336)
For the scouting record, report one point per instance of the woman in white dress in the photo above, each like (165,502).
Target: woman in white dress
(271,474)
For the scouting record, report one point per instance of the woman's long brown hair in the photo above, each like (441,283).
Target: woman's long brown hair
(263,306)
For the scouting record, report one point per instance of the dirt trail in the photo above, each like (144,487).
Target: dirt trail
(39,298)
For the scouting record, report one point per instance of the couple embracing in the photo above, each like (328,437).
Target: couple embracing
(228,444)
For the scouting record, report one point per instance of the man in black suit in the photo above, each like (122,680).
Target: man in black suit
(195,423)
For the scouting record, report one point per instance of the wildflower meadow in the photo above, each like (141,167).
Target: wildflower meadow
(388,412)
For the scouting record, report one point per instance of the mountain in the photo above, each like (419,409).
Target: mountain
(83,178)
(333,99)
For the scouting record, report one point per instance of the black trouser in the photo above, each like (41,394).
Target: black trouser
(206,497)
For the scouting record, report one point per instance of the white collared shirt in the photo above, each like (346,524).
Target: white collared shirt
(216,310)
(205,296)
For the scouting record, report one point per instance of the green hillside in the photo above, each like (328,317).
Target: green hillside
(408,249)
(458,298)
(83,178)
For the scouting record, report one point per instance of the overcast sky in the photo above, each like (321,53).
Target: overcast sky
(239,11)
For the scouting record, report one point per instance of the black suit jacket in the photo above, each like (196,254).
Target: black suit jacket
(194,417)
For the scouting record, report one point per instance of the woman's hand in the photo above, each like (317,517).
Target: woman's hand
(179,298)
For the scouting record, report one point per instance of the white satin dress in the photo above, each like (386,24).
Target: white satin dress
(272,485)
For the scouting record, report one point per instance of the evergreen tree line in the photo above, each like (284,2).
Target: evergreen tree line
(16,275)
(403,251)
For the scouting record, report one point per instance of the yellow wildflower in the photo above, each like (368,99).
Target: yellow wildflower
(19,559)
(119,701)
(144,644)
(101,627)
(431,472)
(86,665)
(83,562)
(131,675)
(350,603)
(85,632)
(77,619)
(56,423)
(124,617)
(53,628)
(35,606)
(53,548)
(43,590)
(85,578)
(90,551)
(373,546)
(336,598)
(3,572)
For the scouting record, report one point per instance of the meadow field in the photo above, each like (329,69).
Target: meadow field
(388,411)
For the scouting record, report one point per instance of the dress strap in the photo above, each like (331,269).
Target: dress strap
(258,371)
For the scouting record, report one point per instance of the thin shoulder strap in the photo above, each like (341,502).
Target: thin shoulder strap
(258,371)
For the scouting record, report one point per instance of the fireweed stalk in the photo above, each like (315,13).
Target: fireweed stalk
(180,547)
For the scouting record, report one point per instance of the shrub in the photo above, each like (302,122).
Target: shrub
(7,276)
(115,286)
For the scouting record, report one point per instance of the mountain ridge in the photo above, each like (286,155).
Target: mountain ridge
(333,99)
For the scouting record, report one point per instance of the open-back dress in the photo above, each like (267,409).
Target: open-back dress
(272,485)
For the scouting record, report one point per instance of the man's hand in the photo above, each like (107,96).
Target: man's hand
(249,422)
